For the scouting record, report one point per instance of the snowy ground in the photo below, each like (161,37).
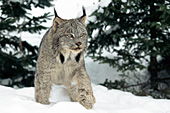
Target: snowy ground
(107,101)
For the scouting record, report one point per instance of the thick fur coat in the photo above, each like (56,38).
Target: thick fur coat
(61,61)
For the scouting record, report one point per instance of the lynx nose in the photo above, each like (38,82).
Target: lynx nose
(78,43)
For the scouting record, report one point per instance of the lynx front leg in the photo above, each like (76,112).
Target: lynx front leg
(81,90)
(85,92)
(42,88)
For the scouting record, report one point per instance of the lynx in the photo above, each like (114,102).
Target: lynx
(61,61)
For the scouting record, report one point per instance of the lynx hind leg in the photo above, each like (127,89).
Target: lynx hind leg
(42,88)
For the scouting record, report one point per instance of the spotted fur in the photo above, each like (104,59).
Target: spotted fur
(61,61)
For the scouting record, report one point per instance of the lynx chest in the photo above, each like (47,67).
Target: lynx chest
(64,72)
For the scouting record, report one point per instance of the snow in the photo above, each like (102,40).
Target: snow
(107,101)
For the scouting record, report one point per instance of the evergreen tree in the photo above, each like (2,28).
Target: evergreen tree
(141,27)
(17,57)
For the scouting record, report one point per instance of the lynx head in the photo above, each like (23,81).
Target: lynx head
(69,35)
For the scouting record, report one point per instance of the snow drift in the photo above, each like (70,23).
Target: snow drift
(107,101)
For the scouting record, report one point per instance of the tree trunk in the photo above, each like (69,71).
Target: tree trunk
(153,66)
(153,71)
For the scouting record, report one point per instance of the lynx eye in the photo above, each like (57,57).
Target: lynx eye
(70,36)
(83,35)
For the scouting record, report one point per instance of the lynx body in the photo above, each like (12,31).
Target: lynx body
(61,61)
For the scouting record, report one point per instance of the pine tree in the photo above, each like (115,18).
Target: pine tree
(17,57)
(142,29)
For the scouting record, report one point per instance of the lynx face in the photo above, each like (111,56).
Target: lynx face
(69,35)
(73,36)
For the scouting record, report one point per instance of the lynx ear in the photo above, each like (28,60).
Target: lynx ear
(57,21)
(83,17)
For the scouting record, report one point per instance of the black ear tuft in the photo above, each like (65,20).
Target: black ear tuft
(84,12)
(82,19)
(55,13)
(57,21)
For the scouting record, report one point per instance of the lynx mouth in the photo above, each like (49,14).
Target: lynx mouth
(77,49)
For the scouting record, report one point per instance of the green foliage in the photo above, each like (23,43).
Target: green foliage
(134,32)
(114,85)
(17,57)
(139,89)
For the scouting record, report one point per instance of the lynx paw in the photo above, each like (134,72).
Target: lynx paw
(43,101)
(87,101)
